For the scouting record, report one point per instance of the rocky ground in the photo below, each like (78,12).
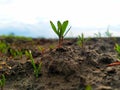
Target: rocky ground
(68,68)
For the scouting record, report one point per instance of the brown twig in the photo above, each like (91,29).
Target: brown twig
(114,64)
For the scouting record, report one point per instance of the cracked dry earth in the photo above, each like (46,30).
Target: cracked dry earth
(66,68)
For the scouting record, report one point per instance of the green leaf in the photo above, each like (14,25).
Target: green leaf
(117,48)
(2,81)
(59,25)
(54,28)
(59,28)
(64,26)
(81,40)
(40,66)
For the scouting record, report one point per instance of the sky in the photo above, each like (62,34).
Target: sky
(31,17)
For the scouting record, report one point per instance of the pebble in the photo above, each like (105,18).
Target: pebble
(97,72)
(104,88)
(110,70)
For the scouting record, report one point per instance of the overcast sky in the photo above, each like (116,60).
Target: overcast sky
(80,13)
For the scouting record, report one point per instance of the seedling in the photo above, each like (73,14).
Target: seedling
(13,53)
(16,53)
(88,87)
(81,41)
(3,47)
(108,34)
(117,49)
(60,30)
(51,47)
(2,81)
(42,49)
(98,35)
(37,69)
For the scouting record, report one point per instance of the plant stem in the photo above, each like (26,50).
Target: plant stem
(60,42)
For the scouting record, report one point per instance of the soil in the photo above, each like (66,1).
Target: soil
(67,68)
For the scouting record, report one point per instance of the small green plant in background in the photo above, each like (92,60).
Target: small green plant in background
(60,30)
(16,53)
(3,47)
(88,87)
(37,69)
(108,34)
(51,47)
(13,36)
(2,81)
(81,40)
(117,49)
(98,35)
(42,49)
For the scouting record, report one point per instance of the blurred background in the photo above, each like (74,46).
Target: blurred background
(31,17)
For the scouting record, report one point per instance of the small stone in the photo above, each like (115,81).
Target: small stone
(116,78)
(110,70)
(96,71)
(104,88)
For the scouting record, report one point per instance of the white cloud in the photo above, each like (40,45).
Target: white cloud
(80,13)
(5,2)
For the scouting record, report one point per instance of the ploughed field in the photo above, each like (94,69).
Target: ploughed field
(69,67)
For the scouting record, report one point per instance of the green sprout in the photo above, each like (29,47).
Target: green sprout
(107,33)
(98,35)
(42,49)
(37,69)
(60,30)
(2,81)
(88,87)
(81,40)
(16,53)
(3,47)
(51,47)
(13,53)
(117,49)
